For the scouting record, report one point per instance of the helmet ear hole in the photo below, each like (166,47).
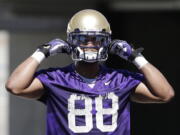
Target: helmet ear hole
(103,30)
(77,30)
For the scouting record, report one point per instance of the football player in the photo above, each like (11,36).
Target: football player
(87,97)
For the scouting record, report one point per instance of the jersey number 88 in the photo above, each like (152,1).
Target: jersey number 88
(73,112)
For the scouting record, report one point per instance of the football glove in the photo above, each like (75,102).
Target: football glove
(124,50)
(54,47)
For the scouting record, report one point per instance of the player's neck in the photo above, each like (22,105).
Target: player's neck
(88,70)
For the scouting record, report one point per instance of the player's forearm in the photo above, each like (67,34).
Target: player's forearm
(157,83)
(22,76)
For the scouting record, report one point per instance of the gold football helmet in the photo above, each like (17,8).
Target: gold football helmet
(88,20)
(87,23)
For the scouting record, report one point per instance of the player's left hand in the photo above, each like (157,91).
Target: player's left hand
(124,50)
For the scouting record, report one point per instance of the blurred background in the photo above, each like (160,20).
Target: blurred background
(152,24)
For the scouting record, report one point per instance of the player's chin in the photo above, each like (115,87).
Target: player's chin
(88,62)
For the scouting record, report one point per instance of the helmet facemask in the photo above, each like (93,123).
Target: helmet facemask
(91,54)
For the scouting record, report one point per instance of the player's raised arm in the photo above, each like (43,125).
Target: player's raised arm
(156,88)
(22,82)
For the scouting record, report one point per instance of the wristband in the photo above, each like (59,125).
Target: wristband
(38,56)
(140,61)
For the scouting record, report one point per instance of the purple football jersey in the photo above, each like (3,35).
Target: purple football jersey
(73,107)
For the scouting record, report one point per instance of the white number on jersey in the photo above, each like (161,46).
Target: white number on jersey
(80,112)
(73,112)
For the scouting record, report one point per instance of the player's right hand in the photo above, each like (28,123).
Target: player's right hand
(54,47)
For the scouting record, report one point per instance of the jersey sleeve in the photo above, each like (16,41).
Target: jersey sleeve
(130,80)
(44,76)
